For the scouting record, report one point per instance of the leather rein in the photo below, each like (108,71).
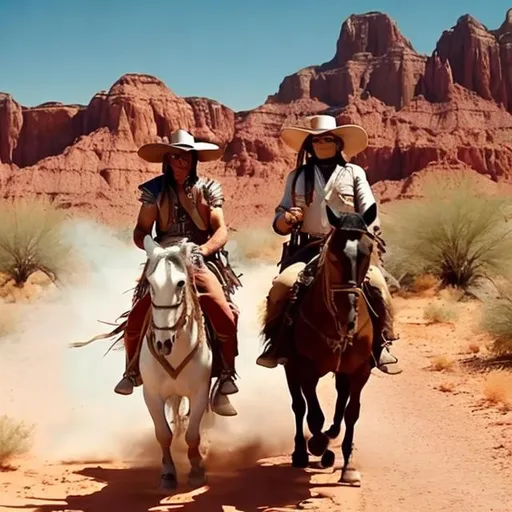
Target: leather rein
(179,324)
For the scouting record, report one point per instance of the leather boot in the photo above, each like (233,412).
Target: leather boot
(126,384)
(228,351)
(384,335)
(131,376)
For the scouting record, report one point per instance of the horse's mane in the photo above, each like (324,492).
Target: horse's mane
(193,307)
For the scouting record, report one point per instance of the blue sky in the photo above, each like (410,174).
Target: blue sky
(234,51)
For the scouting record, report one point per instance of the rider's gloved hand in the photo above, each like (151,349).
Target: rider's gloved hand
(294,215)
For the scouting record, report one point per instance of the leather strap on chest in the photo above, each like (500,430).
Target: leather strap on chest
(190,206)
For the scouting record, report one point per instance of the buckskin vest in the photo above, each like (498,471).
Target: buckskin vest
(176,220)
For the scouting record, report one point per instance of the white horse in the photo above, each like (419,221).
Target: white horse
(175,358)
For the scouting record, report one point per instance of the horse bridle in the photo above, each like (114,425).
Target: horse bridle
(169,307)
(350,287)
(181,319)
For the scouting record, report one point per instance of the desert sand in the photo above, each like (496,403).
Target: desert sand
(427,440)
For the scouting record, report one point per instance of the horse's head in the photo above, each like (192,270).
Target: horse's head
(169,282)
(346,258)
(350,245)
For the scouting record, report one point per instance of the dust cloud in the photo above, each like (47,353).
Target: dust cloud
(67,393)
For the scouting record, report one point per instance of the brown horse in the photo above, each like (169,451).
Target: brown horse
(330,329)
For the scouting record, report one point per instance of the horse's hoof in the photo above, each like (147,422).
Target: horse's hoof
(197,478)
(318,444)
(300,460)
(222,406)
(333,432)
(168,482)
(328,459)
(350,476)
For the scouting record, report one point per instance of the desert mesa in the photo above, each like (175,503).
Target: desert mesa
(449,110)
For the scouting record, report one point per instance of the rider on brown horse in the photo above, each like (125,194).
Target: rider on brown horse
(180,204)
(325,179)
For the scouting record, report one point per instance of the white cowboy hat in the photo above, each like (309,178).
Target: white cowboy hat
(355,138)
(181,140)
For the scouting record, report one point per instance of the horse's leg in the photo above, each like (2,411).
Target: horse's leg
(319,441)
(343,391)
(349,475)
(300,458)
(198,405)
(156,407)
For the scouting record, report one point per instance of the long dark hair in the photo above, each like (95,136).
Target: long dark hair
(191,178)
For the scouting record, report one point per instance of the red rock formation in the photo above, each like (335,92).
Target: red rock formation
(11,121)
(373,33)
(450,110)
(372,58)
(475,59)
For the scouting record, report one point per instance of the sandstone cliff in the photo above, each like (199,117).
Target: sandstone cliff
(450,109)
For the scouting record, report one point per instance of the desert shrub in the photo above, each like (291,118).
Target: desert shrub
(453,232)
(30,240)
(15,439)
(497,321)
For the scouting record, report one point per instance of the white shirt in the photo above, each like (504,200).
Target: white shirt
(346,183)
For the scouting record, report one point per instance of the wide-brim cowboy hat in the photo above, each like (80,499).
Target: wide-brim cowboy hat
(181,140)
(355,138)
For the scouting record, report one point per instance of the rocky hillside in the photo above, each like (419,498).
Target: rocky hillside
(450,109)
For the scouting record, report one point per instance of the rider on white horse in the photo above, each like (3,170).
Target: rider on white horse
(179,204)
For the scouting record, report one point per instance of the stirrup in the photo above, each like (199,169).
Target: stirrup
(387,362)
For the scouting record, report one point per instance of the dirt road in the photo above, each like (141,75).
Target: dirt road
(418,448)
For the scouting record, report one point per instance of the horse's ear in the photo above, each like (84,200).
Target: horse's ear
(370,214)
(333,219)
(150,246)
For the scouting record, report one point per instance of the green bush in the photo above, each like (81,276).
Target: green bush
(30,240)
(453,232)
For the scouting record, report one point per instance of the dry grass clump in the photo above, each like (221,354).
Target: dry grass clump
(442,364)
(439,313)
(453,233)
(425,283)
(498,388)
(15,439)
(31,240)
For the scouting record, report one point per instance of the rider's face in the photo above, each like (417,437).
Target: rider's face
(181,163)
(325,146)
